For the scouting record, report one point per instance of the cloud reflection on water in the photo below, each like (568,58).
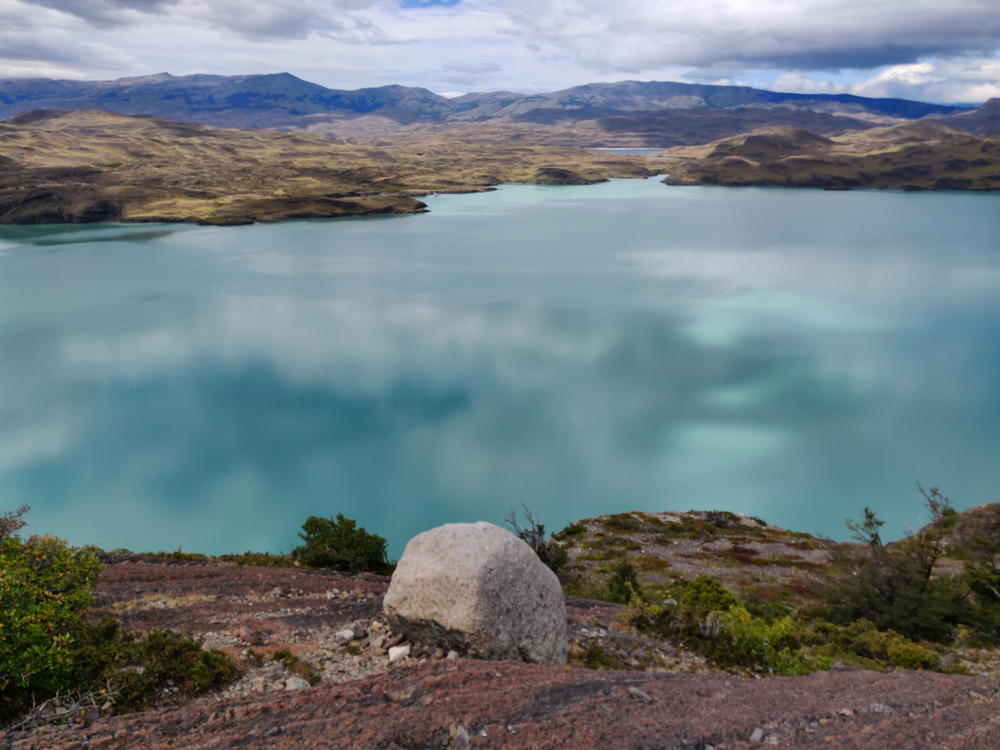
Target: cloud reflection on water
(217,407)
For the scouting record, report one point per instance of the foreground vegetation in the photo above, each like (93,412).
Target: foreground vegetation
(48,648)
(924,602)
(918,603)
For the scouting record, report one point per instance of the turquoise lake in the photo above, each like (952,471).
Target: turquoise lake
(791,354)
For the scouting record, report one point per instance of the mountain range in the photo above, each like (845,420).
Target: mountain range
(282,101)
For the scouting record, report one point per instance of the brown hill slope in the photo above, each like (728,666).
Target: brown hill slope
(91,165)
(925,155)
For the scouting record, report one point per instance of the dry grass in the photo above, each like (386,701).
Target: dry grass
(91,166)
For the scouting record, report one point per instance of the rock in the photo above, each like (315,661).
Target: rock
(347,634)
(637,693)
(249,637)
(333,593)
(359,631)
(758,735)
(461,737)
(275,671)
(452,655)
(296,683)
(276,591)
(479,589)
(398,652)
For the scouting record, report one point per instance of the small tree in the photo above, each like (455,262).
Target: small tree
(549,552)
(893,585)
(341,545)
(623,585)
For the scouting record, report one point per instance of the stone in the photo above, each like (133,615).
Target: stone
(758,735)
(398,652)
(296,683)
(249,637)
(478,589)
(640,695)
(274,671)
(452,655)
(359,631)
(347,634)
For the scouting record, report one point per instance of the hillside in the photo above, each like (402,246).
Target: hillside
(623,688)
(286,102)
(925,155)
(91,165)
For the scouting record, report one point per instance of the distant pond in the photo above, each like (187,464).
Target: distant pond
(789,354)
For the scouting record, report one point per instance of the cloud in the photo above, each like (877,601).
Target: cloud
(250,18)
(41,42)
(966,80)
(468,73)
(636,35)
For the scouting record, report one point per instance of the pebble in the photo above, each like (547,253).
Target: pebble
(347,634)
(296,683)
(637,693)
(398,652)
(758,735)
(249,636)
(452,655)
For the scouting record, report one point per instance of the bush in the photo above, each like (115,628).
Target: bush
(770,647)
(44,589)
(140,668)
(549,552)
(47,648)
(706,594)
(624,584)
(893,586)
(339,544)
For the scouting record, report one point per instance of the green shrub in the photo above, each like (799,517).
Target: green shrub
(771,647)
(47,648)
(624,584)
(45,587)
(262,559)
(139,668)
(893,586)
(706,594)
(909,655)
(339,544)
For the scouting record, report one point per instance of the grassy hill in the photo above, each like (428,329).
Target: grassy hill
(924,155)
(90,165)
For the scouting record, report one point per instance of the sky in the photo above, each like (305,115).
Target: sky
(943,51)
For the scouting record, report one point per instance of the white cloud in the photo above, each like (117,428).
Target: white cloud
(959,80)
(520,45)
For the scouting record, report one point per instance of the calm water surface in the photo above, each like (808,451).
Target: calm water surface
(795,355)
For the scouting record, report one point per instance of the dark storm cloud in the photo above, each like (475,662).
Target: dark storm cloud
(777,34)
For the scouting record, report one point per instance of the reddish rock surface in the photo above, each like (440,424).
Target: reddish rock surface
(512,705)
(500,704)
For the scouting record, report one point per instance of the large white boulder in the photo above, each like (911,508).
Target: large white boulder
(477,588)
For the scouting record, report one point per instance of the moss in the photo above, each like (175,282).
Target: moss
(623,522)
(597,658)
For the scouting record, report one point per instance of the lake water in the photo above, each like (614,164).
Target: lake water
(791,354)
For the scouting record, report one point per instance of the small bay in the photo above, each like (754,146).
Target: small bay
(790,354)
